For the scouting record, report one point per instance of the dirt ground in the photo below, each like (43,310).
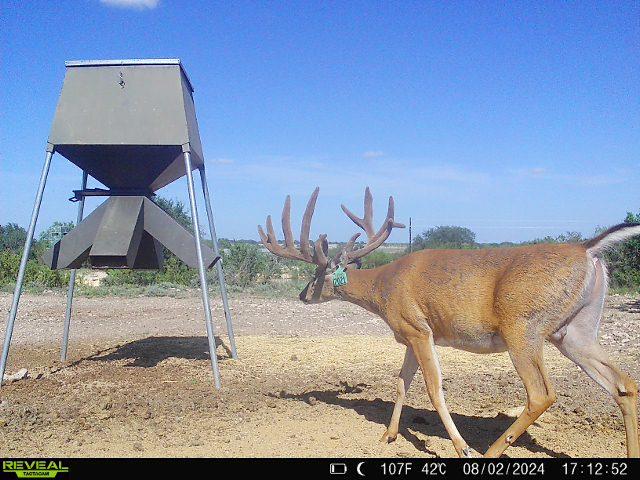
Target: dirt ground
(310,381)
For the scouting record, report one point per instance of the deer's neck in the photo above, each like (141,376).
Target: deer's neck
(361,289)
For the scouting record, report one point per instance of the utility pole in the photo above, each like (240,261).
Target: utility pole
(410,239)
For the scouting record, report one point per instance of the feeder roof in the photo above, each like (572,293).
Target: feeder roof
(125,121)
(130,61)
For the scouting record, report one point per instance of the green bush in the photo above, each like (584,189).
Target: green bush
(175,271)
(36,274)
(176,210)
(295,269)
(9,265)
(626,280)
(130,277)
(12,237)
(39,274)
(378,258)
(164,289)
(445,237)
(244,264)
(623,260)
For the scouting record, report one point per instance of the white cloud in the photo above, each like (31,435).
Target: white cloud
(299,176)
(222,161)
(538,171)
(373,154)
(135,4)
(316,165)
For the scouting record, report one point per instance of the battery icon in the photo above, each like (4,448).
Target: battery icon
(338,468)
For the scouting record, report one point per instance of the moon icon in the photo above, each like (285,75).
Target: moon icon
(358,469)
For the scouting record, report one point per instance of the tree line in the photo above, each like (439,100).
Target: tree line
(623,260)
(246,263)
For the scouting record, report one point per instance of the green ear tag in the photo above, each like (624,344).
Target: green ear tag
(339,277)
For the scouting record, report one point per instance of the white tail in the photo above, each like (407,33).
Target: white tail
(608,238)
(483,301)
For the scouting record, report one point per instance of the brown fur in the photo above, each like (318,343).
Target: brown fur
(484,301)
(492,290)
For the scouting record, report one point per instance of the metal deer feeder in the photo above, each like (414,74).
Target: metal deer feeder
(131,125)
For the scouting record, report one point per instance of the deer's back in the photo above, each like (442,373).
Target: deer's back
(466,295)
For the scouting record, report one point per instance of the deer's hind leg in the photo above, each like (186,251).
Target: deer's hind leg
(595,362)
(578,341)
(528,361)
(407,372)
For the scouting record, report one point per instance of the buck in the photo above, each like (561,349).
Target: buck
(482,301)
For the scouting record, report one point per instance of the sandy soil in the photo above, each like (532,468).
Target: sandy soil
(310,381)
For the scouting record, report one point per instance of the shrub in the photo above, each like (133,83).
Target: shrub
(378,258)
(12,237)
(130,277)
(176,210)
(39,274)
(35,274)
(445,236)
(164,289)
(295,269)
(177,272)
(245,264)
(623,260)
(9,265)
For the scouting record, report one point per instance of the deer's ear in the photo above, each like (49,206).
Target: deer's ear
(343,261)
(354,265)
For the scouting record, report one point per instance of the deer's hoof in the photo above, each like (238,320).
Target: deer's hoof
(469,452)
(388,437)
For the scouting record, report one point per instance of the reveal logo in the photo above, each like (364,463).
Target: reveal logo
(34,468)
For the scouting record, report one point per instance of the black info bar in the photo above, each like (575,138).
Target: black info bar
(323,467)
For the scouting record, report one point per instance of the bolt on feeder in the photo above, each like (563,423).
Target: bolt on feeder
(131,125)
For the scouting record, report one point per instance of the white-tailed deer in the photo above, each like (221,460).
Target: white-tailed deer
(483,301)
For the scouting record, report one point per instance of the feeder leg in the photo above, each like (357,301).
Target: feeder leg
(216,250)
(23,263)
(72,282)
(201,269)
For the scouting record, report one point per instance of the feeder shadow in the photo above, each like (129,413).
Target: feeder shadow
(150,351)
(479,432)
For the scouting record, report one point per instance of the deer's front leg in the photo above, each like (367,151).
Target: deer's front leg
(407,372)
(425,352)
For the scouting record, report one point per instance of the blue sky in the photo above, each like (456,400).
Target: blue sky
(516,120)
